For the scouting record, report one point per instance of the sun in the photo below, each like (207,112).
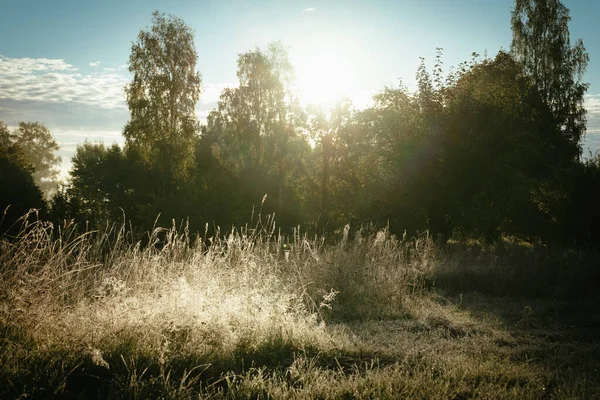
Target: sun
(324,75)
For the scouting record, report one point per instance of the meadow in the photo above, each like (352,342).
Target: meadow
(365,315)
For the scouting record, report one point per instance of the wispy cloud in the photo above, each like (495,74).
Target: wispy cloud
(592,102)
(76,116)
(592,105)
(66,136)
(95,64)
(14,66)
(311,9)
(55,81)
(590,144)
(75,107)
(591,141)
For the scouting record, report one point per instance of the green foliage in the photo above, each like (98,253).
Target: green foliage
(494,149)
(489,149)
(254,134)
(477,153)
(152,175)
(573,200)
(397,157)
(4,135)
(541,41)
(99,180)
(162,97)
(38,146)
(334,170)
(19,192)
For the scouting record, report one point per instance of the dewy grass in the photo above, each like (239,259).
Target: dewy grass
(96,314)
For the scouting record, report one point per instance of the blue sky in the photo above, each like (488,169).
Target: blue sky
(63,63)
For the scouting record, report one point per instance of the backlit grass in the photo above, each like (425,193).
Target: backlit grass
(98,315)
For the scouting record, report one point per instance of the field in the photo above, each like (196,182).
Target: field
(369,315)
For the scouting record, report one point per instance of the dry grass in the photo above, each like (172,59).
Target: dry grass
(99,315)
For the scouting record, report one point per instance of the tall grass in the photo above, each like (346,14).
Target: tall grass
(222,300)
(99,313)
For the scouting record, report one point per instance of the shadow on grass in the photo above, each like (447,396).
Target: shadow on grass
(126,372)
(518,270)
(556,335)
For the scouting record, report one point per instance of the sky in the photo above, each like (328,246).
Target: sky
(64,63)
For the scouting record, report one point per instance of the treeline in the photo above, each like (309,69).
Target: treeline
(493,147)
(28,171)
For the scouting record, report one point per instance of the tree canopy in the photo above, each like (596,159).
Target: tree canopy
(19,192)
(163,94)
(489,149)
(39,147)
(541,41)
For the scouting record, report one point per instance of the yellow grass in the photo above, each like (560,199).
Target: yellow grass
(98,314)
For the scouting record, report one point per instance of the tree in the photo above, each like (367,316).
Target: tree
(469,153)
(255,131)
(398,159)
(100,181)
(496,150)
(4,135)
(162,128)
(541,41)
(19,192)
(322,134)
(39,147)
(578,213)
(347,158)
(163,96)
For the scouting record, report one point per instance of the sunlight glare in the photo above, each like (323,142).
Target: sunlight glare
(324,75)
